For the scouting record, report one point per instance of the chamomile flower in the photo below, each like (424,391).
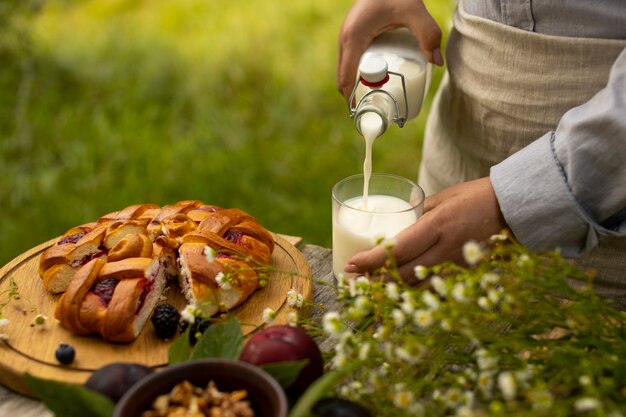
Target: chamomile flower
(393,291)
(439,285)
(483,302)
(473,252)
(421,272)
(423,318)
(459,292)
(431,300)
(292,319)
(209,253)
(189,313)
(292,298)
(364,351)
(403,398)
(485,383)
(489,279)
(399,319)
(586,404)
(332,323)
(222,281)
(507,385)
(269,315)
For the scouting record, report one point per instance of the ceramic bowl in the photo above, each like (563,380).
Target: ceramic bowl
(266,396)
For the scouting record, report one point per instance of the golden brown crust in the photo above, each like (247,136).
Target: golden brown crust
(126,268)
(131,246)
(117,325)
(216,254)
(68,307)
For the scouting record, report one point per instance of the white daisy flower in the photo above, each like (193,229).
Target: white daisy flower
(403,399)
(586,404)
(292,298)
(269,315)
(489,279)
(393,291)
(483,303)
(430,300)
(439,285)
(473,252)
(364,351)
(209,253)
(421,272)
(292,319)
(223,281)
(485,383)
(458,292)
(332,323)
(189,313)
(399,319)
(464,411)
(423,318)
(453,397)
(507,385)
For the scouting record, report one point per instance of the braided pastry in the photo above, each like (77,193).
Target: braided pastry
(113,271)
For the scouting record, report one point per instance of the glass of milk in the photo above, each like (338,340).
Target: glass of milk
(360,220)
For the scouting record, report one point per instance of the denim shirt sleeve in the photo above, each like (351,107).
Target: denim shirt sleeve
(568,187)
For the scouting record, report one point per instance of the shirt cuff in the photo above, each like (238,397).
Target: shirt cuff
(537,202)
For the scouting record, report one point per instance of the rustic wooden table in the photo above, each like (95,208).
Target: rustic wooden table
(320,260)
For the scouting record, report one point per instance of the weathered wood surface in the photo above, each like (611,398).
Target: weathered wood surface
(320,261)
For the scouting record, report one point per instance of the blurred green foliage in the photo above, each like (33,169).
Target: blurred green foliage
(107,103)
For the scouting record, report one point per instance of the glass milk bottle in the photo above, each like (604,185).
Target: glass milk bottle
(392,81)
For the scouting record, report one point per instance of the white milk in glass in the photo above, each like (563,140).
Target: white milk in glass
(358,229)
(363,220)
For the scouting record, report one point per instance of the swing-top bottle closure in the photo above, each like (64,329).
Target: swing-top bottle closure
(374,74)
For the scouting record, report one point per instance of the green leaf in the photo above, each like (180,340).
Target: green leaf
(179,350)
(67,400)
(285,372)
(222,340)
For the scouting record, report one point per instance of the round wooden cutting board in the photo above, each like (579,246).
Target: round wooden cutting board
(32,349)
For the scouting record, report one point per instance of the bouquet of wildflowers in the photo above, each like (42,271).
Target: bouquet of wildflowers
(516,333)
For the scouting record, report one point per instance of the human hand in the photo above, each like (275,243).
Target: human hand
(463,212)
(368,19)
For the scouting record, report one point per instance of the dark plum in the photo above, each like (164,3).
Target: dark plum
(114,379)
(284,344)
(338,407)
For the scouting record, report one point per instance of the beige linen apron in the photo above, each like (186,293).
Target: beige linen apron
(506,87)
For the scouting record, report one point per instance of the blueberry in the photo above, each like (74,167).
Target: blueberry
(65,354)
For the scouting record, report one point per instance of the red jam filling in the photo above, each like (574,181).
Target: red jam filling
(147,285)
(234,237)
(104,289)
(71,238)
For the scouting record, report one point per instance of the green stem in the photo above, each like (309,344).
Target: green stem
(316,391)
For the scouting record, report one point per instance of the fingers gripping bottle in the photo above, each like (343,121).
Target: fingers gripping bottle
(392,81)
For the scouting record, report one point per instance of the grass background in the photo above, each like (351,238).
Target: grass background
(107,103)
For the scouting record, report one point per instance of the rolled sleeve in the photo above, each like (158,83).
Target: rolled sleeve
(568,187)
(538,204)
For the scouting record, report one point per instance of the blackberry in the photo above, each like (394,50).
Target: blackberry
(199,325)
(165,321)
(65,354)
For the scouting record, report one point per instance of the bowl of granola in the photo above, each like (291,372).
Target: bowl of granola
(205,387)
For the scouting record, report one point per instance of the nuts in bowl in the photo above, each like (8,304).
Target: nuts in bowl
(207,387)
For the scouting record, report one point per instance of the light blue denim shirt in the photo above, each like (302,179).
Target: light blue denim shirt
(563,171)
